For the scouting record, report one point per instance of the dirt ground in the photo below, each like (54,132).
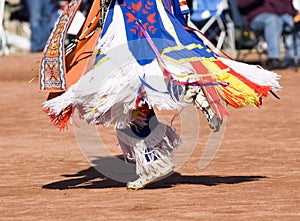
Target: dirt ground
(44,176)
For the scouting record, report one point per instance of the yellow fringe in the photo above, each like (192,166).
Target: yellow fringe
(237,91)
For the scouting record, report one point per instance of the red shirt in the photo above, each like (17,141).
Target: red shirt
(252,8)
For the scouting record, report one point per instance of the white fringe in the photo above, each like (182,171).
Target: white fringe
(59,103)
(102,98)
(159,148)
(254,73)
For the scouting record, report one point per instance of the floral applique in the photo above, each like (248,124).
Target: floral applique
(147,18)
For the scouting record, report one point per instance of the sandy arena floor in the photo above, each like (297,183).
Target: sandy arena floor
(44,176)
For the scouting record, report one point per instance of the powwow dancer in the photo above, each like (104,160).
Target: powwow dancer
(142,40)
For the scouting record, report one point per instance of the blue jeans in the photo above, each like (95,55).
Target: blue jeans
(272,26)
(289,41)
(40,16)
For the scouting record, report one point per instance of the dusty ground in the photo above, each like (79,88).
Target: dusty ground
(44,176)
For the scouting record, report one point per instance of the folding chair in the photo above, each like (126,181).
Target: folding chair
(257,43)
(212,18)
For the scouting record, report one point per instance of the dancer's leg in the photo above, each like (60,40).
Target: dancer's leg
(151,145)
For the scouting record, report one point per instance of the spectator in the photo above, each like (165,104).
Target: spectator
(269,16)
(40,13)
(243,38)
(291,21)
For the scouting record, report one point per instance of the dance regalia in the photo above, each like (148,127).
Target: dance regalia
(146,57)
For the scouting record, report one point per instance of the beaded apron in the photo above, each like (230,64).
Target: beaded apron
(52,68)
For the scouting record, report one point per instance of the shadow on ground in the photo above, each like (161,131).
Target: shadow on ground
(92,178)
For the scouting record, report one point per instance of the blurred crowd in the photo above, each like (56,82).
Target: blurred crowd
(275,20)
(42,15)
